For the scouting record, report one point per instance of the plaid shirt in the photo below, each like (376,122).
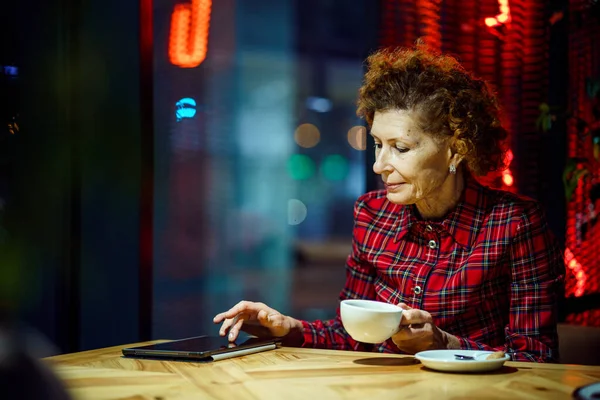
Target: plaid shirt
(490,273)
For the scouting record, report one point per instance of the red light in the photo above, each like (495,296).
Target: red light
(509,156)
(502,18)
(578,271)
(490,21)
(507,179)
(188,40)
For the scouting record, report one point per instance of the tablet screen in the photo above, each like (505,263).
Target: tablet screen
(198,346)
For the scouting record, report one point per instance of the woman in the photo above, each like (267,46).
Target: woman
(474,268)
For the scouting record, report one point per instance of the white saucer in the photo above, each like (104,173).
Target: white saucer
(445,360)
(588,392)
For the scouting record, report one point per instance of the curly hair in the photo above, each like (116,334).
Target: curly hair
(449,102)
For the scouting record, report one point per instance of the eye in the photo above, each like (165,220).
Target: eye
(402,149)
(377,146)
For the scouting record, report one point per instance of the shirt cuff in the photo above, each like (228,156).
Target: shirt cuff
(308,334)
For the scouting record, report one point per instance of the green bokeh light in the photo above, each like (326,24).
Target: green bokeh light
(335,167)
(300,167)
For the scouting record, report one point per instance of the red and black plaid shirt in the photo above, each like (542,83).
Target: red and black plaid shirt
(490,273)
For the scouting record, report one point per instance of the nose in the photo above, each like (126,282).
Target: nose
(381,164)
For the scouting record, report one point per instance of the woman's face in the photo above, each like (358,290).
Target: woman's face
(413,164)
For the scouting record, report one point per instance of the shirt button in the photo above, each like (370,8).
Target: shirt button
(432,244)
(417,289)
(429,228)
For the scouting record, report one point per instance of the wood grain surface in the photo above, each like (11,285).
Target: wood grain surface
(307,374)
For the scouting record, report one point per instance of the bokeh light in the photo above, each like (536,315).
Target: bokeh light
(297,212)
(577,270)
(357,137)
(502,18)
(307,135)
(319,104)
(334,167)
(300,167)
(491,21)
(188,38)
(509,156)
(185,108)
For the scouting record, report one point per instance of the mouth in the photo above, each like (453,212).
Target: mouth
(392,187)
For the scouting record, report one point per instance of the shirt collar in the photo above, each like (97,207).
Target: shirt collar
(462,223)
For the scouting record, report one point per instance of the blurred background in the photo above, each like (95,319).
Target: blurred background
(161,160)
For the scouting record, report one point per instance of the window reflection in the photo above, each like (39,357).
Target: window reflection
(257,177)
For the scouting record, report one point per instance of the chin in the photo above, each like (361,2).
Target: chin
(398,198)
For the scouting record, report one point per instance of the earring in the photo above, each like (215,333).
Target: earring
(452,169)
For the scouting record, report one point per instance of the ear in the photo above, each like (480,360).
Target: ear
(456,159)
(456,151)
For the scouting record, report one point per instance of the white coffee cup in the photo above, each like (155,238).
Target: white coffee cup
(370,321)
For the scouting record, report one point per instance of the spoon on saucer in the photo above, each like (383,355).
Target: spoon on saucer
(493,356)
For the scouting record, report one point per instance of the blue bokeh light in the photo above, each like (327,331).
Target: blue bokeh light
(185,108)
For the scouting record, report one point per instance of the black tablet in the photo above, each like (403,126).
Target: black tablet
(202,348)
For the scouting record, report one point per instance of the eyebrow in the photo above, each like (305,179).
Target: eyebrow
(397,139)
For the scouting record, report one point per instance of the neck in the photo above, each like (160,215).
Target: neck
(440,202)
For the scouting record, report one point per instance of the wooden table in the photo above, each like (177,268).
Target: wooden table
(307,374)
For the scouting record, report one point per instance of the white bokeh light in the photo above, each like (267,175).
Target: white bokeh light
(296,212)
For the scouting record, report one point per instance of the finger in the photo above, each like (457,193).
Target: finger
(218,318)
(232,312)
(228,323)
(245,307)
(225,326)
(235,329)
(415,317)
(409,333)
(404,306)
(223,316)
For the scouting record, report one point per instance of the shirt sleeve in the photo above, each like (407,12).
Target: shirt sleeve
(537,281)
(359,285)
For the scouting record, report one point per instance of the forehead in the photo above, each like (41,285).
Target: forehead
(396,123)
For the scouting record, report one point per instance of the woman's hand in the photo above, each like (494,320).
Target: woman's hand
(418,333)
(257,319)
